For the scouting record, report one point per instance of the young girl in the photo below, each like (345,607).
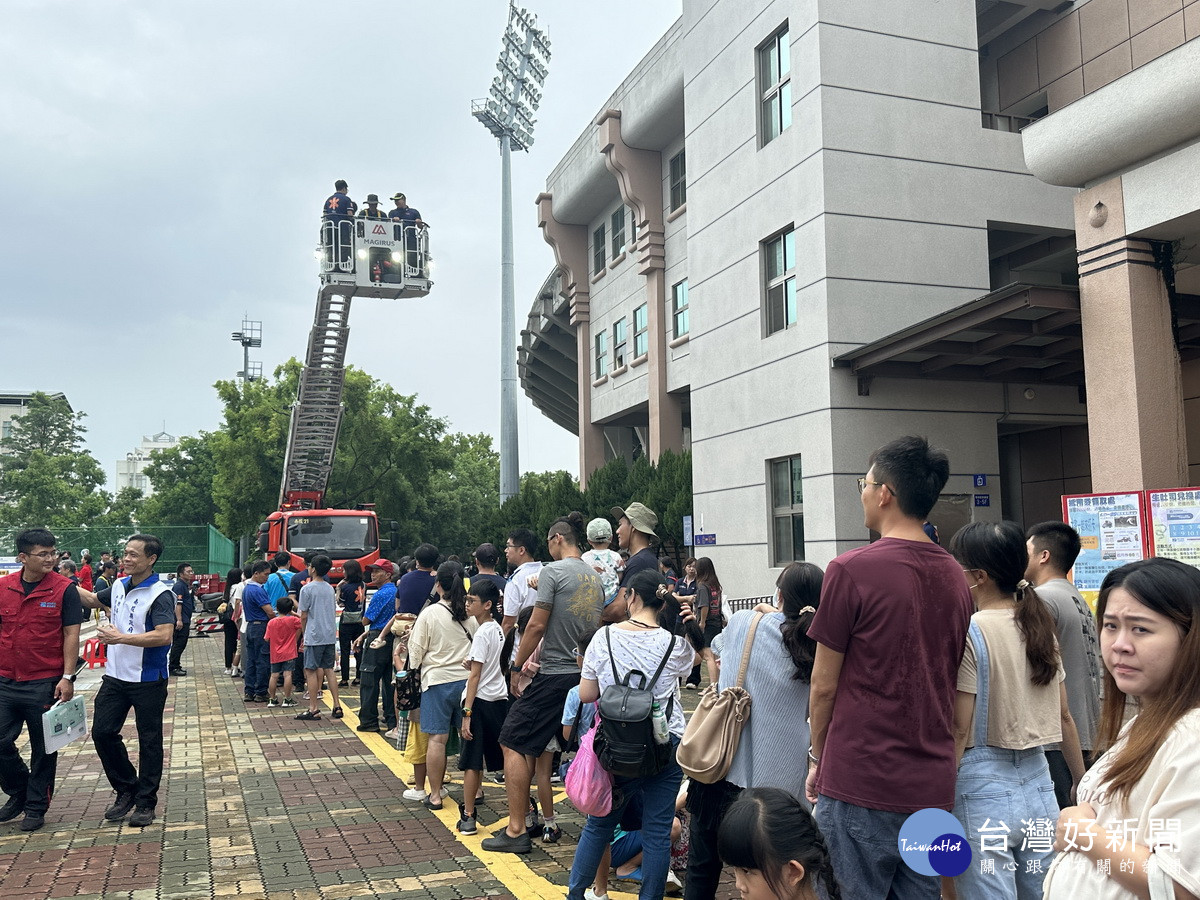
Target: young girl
(775,849)
(708,611)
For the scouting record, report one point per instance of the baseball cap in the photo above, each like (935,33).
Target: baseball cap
(486,554)
(382,565)
(639,516)
(398,196)
(599,530)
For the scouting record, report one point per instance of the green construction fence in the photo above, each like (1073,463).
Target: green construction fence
(201,545)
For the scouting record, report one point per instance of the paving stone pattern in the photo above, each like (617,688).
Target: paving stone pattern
(259,806)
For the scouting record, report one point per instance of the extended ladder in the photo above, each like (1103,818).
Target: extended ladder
(317,413)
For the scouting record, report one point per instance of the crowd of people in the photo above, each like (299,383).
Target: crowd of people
(905,677)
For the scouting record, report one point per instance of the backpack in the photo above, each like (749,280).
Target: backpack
(624,740)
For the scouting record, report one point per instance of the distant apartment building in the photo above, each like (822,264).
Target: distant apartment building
(13,403)
(801,228)
(130,471)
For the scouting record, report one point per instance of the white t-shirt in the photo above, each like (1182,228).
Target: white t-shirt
(642,650)
(485,648)
(518,595)
(606,562)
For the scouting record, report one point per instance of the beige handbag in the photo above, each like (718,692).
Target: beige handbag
(711,738)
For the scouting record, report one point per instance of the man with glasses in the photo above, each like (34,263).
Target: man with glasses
(890,632)
(141,612)
(40,615)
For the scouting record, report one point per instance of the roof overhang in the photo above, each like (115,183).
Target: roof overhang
(1019,333)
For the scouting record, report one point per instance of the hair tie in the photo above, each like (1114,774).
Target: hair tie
(807,609)
(662,591)
(1023,584)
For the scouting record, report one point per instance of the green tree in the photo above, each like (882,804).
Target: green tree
(46,475)
(184,478)
(463,497)
(125,507)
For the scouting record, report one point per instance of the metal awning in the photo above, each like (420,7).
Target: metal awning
(1019,333)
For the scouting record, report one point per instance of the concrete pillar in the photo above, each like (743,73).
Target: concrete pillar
(570,245)
(640,180)
(1134,391)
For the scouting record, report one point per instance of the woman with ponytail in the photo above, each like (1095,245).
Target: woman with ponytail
(440,641)
(1011,702)
(768,754)
(775,849)
(1136,830)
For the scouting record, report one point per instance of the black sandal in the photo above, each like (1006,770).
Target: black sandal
(308,716)
(337,712)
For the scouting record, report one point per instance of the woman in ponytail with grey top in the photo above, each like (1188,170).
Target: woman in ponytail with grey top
(1011,701)
(769,752)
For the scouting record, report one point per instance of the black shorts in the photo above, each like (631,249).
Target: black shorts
(487,721)
(534,717)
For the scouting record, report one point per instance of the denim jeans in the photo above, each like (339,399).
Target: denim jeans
(256,664)
(658,794)
(1012,787)
(864,845)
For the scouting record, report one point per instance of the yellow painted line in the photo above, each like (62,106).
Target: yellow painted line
(509,868)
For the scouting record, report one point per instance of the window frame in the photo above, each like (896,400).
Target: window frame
(775,86)
(792,512)
(784,281)
(680,310)
(621,331)
(617,249)
(641,331)
(677,180)
(601,353)
(599,250)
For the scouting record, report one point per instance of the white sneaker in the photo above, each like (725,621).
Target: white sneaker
(229,671)
(674,885)
(590,894)
(414,794)
(392,735)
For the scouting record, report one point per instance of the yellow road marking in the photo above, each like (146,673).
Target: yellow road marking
(509,868)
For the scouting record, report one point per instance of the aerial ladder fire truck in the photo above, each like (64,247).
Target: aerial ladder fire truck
(377,258)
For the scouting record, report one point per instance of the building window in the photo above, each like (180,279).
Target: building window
(679,309)
(618,232)
(601,354)
(678,180)
(775,86)
(641,332)
(619,344)
(780,268)
(787,511)
(599,254)
(7,429)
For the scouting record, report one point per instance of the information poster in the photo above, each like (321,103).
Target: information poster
(1112,532)
(1175,524)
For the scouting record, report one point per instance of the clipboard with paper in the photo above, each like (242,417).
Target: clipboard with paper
(63,723)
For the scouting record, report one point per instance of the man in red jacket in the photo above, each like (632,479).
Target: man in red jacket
(40,615)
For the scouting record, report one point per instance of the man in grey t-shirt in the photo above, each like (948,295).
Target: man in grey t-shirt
(1053,548)
(318,618)
(572,591)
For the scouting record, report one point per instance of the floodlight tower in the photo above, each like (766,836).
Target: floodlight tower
(249,336)
(508,115)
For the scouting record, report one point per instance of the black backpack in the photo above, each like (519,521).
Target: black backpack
(624,741)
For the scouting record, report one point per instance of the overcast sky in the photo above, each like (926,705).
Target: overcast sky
(165,164)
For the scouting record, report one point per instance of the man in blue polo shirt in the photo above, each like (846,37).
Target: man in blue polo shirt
(412,222)
(141,610)
(257,608)
(377,663)
(339,211)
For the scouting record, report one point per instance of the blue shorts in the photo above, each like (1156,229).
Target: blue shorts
(318,656)
(441,707)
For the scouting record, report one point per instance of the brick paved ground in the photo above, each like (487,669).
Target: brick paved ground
(310,810)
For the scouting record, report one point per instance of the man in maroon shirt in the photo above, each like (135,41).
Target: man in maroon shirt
(891,630)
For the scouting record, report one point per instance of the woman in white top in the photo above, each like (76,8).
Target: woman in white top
(1136,830)
(1011,701)
(439,644)
(637,644)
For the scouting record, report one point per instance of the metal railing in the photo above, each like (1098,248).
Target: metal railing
(392,251)
(1002,122)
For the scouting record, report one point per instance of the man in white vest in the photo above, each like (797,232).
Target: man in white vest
(141,609)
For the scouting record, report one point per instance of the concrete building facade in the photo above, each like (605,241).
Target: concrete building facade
(130,471)
(800,228)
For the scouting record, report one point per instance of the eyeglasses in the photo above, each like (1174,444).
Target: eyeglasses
(862,485)
(49,554)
